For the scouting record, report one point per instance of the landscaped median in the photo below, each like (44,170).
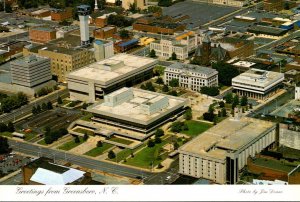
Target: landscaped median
(71,144)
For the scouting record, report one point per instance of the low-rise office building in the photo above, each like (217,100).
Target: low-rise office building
(221,152)
(42,34)
(105,32)
(137,110)
(190,76)
(95,80)
(257,84)
(181,45)
(62,14)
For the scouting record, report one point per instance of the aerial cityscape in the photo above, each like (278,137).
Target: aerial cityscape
(149,92)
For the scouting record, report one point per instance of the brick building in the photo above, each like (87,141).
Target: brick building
(61,14)
(42,34)
(105,32)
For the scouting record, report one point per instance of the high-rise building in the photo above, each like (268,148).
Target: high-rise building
(30,71)
(103,49)
(83,13)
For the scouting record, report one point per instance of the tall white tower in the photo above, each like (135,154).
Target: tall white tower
(83,12)
(96,6)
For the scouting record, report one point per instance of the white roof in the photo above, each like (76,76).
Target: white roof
(267,182)
(48,177)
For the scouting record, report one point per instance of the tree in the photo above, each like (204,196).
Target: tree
(236,100)
(223,111)
(174,82)
(176,127)
(151,143)
(124,34)
(3,127)
(152,53)
(165,88)
(244,101)
(175,145)
(221,104)
(219,113)
(132,8)
(143,87)
(208,116)
(154,9)
(38,109)
(48,138)
(211,109)
(44,107)
(226,72)
(188,114)
(59,100)
(49,105)
(250,106)
(99,143)
(65,23)
(159,80)
(228,98)
(10,127)
(157,140)
(111,154)
(173,93)
(8,8)
(76,139)
(84,105)
(150,87)
(174,56)
(85,137)
(211,91)
(159,133)
(118,20)
(4,146)
(34,110)
(286,6)
(3,29)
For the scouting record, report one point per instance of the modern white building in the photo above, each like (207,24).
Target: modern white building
(137,110)
(182,44)
(30,71)
(190,76)
(103,49)
(221,152)
(93,81)
(297,92)
(257,83)
(235,3)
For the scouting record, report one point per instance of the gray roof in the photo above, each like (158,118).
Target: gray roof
(193,68)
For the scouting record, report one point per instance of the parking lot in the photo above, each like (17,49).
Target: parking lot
(200,13)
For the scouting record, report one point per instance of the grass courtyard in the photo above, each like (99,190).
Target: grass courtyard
(84,131)
(196,127)
(99,150)
(121,140)
(71,144)
(6,134)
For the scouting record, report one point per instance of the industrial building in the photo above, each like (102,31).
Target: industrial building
(95,80)
(137,110)
(181,44)
(190,76)
(258,84)
(42,34)
(221,152)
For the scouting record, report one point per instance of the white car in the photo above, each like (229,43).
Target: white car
(168,178)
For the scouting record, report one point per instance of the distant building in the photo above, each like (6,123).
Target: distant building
(235,3)
(101,21)
(137,110)
(30,71)
(124,46)
(257,84)
(94,81)
(103,49)
(62,14)
(273,5)
(140,4)
(181,44)
(192,77)
(221,152)
(297,92)
(42,13)
(65,53)
(43,172)
(105,32)
(42,34)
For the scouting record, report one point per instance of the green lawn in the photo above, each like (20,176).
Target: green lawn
(71,144)
(121,140)
(84,131)
(125,153)
(196,127)
(99,150)
(146,156)
(31,135)
(87,117)
(42,142)
(6,134)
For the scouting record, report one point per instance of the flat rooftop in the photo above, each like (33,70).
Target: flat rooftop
(192,68)
(258,77)
(28,60)
(229,135)
(112,69)
(132,109)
